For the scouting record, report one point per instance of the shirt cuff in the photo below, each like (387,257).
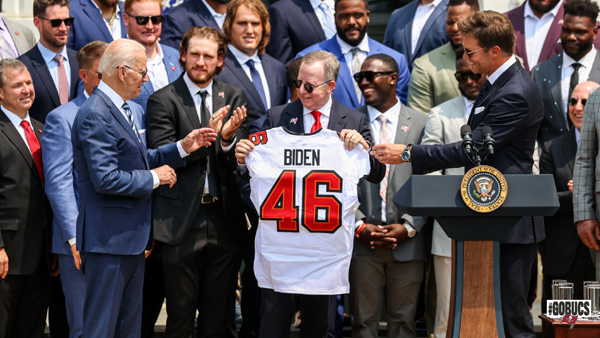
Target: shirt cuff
(72,241)
(226,149)
(358,223)
(408,227)
(155,179)
(182,152)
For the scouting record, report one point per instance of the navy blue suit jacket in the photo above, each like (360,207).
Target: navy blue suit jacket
(46,94)
(234,74)
(344,91)
(114,179)
(89,25)
(178,20)
(398,34)
(290,34)
(513,108)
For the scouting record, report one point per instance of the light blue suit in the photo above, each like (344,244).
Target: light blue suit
(61,189)
(344,91)
(171,62)
(115,214)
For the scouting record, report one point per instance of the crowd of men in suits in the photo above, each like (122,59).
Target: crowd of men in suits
(124,133)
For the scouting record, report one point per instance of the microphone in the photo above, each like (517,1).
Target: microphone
(465,134)
(488,139)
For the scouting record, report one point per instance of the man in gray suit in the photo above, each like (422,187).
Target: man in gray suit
(443,127)
(580,62)
(17,39)
(391,246)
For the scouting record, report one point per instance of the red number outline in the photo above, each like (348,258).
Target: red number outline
(268,207)
(333,183)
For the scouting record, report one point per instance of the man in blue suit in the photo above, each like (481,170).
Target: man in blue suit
(352,46)
(115,178)
(144,25)
(96,20)
(192,13)
(417,28)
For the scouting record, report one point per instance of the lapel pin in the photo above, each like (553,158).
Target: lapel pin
(294,120)
(560,22)
(405,128)
(222,94)
(17,33)
(40,131)
(173,68)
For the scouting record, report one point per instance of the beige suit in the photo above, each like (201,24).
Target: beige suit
(22,36)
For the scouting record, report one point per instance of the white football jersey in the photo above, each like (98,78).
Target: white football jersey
(305,189)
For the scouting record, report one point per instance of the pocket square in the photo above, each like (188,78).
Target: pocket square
(478,110)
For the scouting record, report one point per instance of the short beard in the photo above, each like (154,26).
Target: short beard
(353,42)
(543,8)
(109,3)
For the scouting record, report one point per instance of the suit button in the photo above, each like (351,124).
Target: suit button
(560,129)
(550,116)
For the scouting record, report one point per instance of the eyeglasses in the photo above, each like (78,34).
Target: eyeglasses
(57,22)
(143,74)
(143,20)
(307,86)
(462,77)
(370,76)
(573,101)
(469,54)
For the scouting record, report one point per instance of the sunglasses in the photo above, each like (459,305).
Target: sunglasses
(143,20)
(143,74)
(57,22)
(469,54)
(462,77)
(370,76)
(573,101)
(307,86)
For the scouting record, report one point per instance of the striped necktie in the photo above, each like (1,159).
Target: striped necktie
(129,114)
(328,25)
(356,69)
(384,137)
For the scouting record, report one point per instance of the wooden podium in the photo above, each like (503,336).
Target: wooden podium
(475,304)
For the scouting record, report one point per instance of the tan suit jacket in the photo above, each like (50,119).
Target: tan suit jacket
(22,36)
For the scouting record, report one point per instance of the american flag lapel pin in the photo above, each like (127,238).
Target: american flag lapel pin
(294,120)
(222,94)
(17,33)
(172,68)
(405,128)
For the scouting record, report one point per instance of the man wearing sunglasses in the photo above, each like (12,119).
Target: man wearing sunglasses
(579,62)
(96,20)
(352,45)
(143,20)
(52,65)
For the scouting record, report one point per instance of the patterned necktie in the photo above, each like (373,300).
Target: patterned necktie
(63,85)
(256,80)
(212,187)
(5,50)
(328,25)
(204,115)
(34,147)
(385,136)
(317,125)
(355,69)
(129,114)
(574,82)
(482,93)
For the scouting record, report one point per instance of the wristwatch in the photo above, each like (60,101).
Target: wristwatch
(405,156)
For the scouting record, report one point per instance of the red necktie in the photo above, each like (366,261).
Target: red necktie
(317,125)
(34,147)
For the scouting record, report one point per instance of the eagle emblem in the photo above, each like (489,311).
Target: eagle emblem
(483,188)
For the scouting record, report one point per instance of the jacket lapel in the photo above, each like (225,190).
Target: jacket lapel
(459,118)
(553,34)
(204,13)
(554,78)
(271,76)
(293,112)
(94,16)
(181,92)
(312,17)
(171,63)
(74,74)
(218,99)
(408,31)
(239,72)
(403,129)
(569,148)
(518,21)
(439,13)
(337,119)
(13,135)
(39,65)
(344,79)
(595,71)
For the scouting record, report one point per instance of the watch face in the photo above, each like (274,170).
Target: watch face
(405,156)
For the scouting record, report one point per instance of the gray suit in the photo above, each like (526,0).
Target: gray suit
(22,36)
(399,271)
(547,75)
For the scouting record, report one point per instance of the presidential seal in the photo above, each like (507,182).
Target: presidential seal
(483,189)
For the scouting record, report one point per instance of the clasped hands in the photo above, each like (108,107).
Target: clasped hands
(383,236)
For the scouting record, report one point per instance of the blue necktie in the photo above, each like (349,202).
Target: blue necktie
(328,25)
(127,110)
(257,82)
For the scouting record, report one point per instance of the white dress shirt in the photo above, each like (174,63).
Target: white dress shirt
(52,65)
(495,75)
(16,121)
(363,50)
(309,119)
(115,32)
(422,14)
(157,73)
(587,62)
(242,59)
(469,106)
(219,18)
(536,30)
(330,13)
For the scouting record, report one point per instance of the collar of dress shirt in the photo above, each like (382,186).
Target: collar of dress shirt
(325,110)
(117,14)
(14,118)
(241,57)
(391,114)
(112,95)
(194,88)
(363,46)
(49,55)
(211,10)
(316,3)
(159,55)
(87,96)
(577,134)
(2,24)
(468,105)
(587,61)
(529,12)
(433,4)
(495,75)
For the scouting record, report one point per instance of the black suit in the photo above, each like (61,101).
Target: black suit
(198,242)
(513,108)
(46,94)
(564,255)
(25,217)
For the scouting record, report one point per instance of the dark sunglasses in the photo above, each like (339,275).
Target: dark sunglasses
(143,20)
(573,101)
(141,73)
(307,86)
(56,22)
(370,76)
(462,77)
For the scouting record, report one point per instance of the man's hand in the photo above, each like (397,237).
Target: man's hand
(3,263)
(216,120)
(352,138)
(589,231)
(388,153)
(76,256)
(389,237)
(570,185)
(166,175)
(242,149)
(197,138)
(366,235)
(54,269)
(233,123)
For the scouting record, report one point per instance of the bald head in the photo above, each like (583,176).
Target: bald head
(578,100)
(123,67)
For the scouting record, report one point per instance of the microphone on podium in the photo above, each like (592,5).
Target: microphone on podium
(488,139)
(465,134)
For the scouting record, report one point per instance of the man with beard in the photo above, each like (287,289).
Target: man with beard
(96,20)
(199,222)
(52,65)
(432,79)
(143,20)
(391,246)
(580,62)
(352,45)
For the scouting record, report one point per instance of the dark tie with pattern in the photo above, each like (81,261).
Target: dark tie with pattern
(574,82)
(127,110)
(482,92)
(213,184)
(257,82)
